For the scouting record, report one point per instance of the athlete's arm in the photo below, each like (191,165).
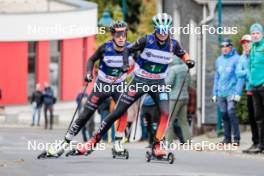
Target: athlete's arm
(178,51)
(98,54)
(135,47)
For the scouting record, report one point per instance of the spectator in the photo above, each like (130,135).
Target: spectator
(36,101)
(48,100)
(227,91)
(243,73)
(150,116)
(179,121)
(256,78)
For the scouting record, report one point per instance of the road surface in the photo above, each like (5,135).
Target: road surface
(17,160)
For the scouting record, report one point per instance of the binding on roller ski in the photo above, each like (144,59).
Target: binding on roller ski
(118,151)
(158,154)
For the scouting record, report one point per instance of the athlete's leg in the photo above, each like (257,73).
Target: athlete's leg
(125,101)
(121,126)
(93,101)
(161,99)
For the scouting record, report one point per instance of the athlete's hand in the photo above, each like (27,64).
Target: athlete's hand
(88,77)
(190,63)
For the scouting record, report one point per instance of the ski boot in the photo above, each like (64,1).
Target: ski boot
(119,151)
(159,154)
(54,153)
(83,149)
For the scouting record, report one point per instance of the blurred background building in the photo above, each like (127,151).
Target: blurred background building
(44,41)
(204,48)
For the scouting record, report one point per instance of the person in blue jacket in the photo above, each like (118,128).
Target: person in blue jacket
(227,90)
(243,73)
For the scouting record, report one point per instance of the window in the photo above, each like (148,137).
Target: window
(54,67)
(31,68)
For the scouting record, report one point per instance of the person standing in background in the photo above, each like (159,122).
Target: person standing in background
(242,72)
(256,79)
(48,101)
(36,101)
(227,91)
(179,121)
(150,113)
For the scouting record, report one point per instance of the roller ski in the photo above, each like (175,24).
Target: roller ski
(118,150)
(83,149)
(159,154)
(54,153)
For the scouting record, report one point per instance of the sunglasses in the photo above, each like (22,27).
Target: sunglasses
(162,31)
(120,34)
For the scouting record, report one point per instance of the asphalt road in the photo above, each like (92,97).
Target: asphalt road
(17,160)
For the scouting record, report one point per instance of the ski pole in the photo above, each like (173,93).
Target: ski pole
(79,104)
(140,105)
(178,96)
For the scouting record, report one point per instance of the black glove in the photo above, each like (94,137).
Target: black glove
(125,68)
(190,63)
(88,77)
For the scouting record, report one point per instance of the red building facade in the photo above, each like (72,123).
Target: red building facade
(75,48)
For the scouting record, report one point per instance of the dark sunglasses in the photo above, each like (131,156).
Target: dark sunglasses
(120,34)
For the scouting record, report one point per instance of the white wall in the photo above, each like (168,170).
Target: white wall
(176,17)
(48,26)
(193,46)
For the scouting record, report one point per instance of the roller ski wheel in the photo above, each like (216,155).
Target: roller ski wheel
(121,154)
(171,158)
(45,155)
(71,153)
(75,152)
(150,156)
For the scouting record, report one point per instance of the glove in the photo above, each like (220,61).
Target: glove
(190,63)
(214,99)
(88,77)
(236,98)
(125,68)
